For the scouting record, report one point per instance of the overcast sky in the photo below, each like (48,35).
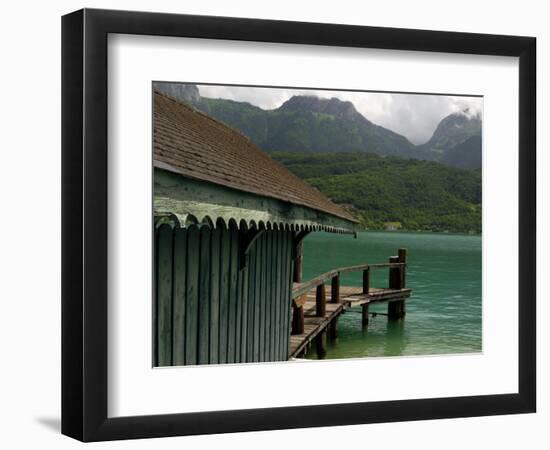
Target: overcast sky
(415,116)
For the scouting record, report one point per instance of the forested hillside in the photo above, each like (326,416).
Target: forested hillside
(392,192)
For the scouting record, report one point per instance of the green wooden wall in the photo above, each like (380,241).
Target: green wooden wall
(209,311)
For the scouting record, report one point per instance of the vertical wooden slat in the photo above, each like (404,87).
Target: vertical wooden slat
(258,267)
(215,296)
(289,269)
(224,294)
(238,303)
(204,295)
(268,297)
(179,297)
(277,296)
(251,302)
(288,288)
(270,322)
(263,287)
(233,271)
(155,297)
(282,301)
(298,258)
(245,314)
(192,290)
(164,296)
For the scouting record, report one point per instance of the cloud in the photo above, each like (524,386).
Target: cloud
(415,116)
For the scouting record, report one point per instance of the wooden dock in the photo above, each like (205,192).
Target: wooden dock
(316,306)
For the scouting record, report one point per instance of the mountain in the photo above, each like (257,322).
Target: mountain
(453,130)
(392,192)
(187,93)
(456,140)
(466,155)
(311,124)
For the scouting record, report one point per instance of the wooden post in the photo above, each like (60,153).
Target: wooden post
(366,280)
(335,289)
(320,301)
(297,320)
(395,274)
(365,314)
(396,309)
(333,328)
(321,344)
(297,275)
(402,256)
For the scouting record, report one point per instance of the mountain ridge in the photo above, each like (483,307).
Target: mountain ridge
(307,123)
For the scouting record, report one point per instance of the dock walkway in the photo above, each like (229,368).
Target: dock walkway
(316,306)
(350,296)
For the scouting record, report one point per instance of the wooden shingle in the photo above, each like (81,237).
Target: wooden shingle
(195,145)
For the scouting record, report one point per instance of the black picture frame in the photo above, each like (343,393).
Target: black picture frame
(84,224)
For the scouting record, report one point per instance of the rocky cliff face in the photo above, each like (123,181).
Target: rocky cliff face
(332,107)
(455,129)
(188,93)
(457,141)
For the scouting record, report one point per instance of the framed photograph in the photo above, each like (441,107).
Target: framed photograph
(273,225)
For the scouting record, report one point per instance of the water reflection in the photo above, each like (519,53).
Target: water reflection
(396,342)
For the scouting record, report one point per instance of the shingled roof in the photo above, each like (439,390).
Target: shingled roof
(195,145)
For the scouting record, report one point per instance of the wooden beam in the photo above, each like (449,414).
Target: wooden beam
(298,255)
(246,241)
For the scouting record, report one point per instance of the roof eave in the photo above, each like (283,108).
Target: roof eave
(197,201)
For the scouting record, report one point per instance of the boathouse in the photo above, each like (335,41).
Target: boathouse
(229,221)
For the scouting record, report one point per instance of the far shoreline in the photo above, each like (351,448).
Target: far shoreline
(403,231)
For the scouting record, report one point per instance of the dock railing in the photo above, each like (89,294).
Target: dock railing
(396,280)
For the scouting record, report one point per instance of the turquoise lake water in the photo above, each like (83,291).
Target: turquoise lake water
(444,311)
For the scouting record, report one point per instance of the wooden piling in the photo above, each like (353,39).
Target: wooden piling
(365,314)
(335,289)
(396,309)
(320,301)
(297,319)
(333,329)
(402,257)
(321,344)
(394,281)
(366,280)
